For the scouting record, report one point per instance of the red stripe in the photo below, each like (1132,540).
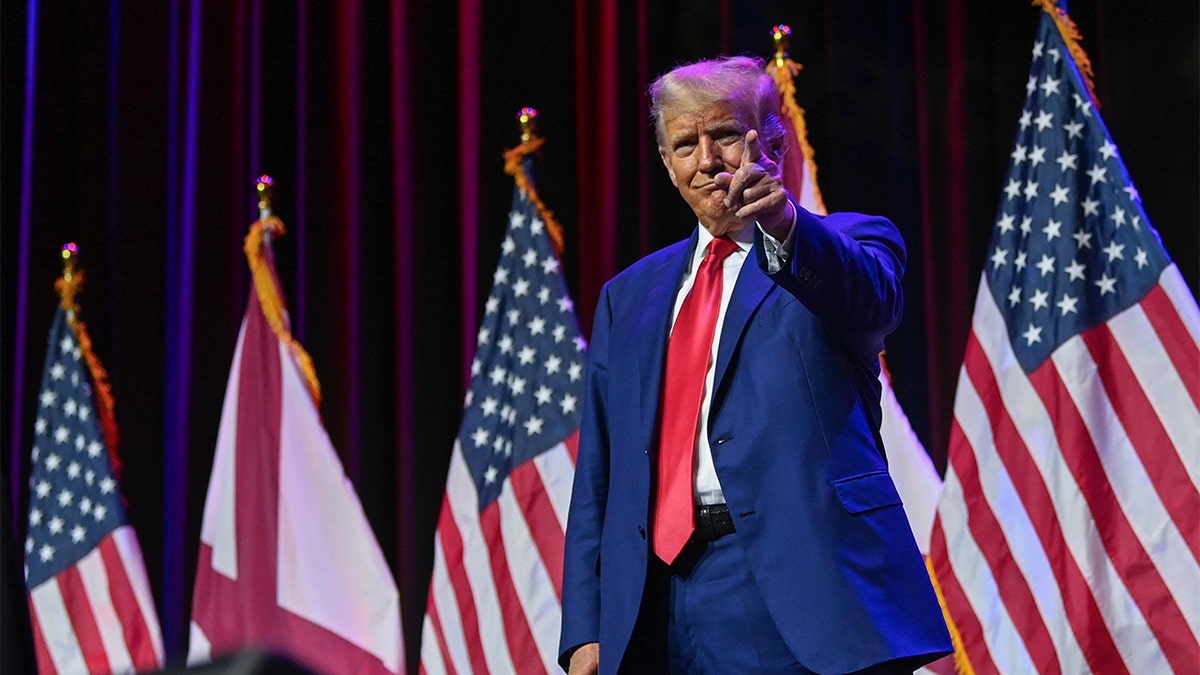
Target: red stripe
(542,520)
(1081,608)
(45,662)
(83,620)
(452,550)
(138,637)
(521,647)
(1175,338)
(436,621)
(1145,431)
(959,607)
(1131,561)
(1014,590)
(572,443)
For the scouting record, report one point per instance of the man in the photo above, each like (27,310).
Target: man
(732,510)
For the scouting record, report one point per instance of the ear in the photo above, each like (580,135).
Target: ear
(666,160)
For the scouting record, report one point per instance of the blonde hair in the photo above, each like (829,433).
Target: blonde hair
(739,80)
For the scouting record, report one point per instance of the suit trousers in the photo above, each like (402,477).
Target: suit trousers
(704,615)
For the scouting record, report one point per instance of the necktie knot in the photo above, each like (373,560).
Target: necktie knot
(721,248)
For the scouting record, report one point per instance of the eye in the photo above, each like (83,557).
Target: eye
(684,148)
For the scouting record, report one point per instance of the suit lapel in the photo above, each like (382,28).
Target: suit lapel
(653,323)
(751,289)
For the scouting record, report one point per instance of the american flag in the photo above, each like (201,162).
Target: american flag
(288,561)
(495,597)
(1068,537)
(89,597)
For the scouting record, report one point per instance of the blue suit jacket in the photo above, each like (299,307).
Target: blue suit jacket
(794,430)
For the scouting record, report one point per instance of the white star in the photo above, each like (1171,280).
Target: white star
(480,437)
(1014,296)
(1032,334)
(1006,222)
(1021,260)
(48,398)
(1026,224)
(70,407)
(53,462)
(508,245)
(565,304)
(580,343)
(493,305)
(1075,270)
(1067,161)
(1082,239)
(498,375)
(553,364)
(544,295)
(501,276)
(1118,216)
(505,344)
(1037,155)
(84,412)
(1096,173)
(89,476)
(514,315)
(39,427)
(73,470)
(1050,86)
(1060,194)
(489,476)
(46,553)
(544,395)
(550,264)
(498,444)
(42,489)
(1013,189)
(567,404)
(1141,258)
(1026,116)
(517,386)
(536,226)
(65,497)
(1053,52)
(537,326)
(533,426)
(485,336)
(1114,250)
(1067,304)
(1091,207)
(28,545)
(1018,154)
(530,258)
(94,448)
(1107,284)
(85,506)
(470,398)
(78,533)
(1030,85)
(1084,106)
(575,371)
(1045,120)
(99,513)
(1046,264)
(57,371)
(56,525)
(35,517)
(1137,222)
(1039,299)
(1074,130)
(999,257)
(80,443)
(1132,192)
(1052,229)
(476,367)
(516,220)
(520,288)
(1031,189)
(489,406)
(1108,149)
(527,355)
(66,345)
(1037,49)
(560,332)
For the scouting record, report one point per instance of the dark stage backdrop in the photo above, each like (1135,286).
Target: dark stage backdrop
(136,129)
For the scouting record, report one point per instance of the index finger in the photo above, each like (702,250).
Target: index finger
(754,151)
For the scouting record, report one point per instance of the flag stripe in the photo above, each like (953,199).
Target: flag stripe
(434,652)
(448,627)
(46,660)
(1164,466)
(96,581)
(970,590)
(137,637)
(126,545)
(544,529)
(521,647)
(1038,503)
(1171,331)
(538,595)
(82,620)
(556,467)
(452,548)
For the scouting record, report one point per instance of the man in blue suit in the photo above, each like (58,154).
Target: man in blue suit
(732,510)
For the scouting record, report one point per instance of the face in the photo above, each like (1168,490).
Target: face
(699,145)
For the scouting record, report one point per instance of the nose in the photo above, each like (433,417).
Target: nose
(710,156)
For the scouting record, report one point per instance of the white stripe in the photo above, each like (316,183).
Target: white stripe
(1018,529)
(58,633)
(532,582)
(199,647)
(94,577)
(975,578)
(218,529)
(1162,384)
(135,568)
(431,654)
(557,472)
(1079,530)
(1181,296)
(916,479)
(442,592)
(464,503)
(1157,534)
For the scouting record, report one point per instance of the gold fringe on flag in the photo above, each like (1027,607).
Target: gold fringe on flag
(68,285)
(530,142)
(784,70)
(961,662)
(1071,36)
(270,298)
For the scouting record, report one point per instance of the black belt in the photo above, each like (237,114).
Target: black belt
(712,522)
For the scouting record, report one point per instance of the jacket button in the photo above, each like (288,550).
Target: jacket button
(724,439)
(642,531)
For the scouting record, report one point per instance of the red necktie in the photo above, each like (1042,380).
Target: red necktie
(683,392)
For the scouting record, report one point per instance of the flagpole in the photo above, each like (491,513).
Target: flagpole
(514,166)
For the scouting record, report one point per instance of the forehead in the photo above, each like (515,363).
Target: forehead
(678,120)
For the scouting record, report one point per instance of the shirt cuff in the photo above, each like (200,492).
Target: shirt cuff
(778,252)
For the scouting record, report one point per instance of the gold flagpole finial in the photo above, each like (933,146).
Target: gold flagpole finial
(71,279)
(528,119)
(781,35)
(271,226)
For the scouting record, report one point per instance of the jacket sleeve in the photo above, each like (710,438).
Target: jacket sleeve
(585,523)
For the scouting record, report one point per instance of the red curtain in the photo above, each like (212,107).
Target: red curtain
(383,124)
